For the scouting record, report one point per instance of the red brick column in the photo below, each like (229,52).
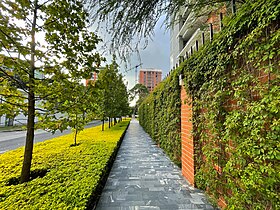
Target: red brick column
(188,170)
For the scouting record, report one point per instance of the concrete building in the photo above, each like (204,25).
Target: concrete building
(189,33)
(150,77)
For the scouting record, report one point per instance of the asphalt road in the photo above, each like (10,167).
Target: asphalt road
(15,139)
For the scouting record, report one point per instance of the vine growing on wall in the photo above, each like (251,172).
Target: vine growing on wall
(159,115)
(234,84)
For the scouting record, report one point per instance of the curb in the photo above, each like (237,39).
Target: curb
(96,194)
(7,131)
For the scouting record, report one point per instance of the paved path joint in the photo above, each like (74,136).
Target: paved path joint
(144,178)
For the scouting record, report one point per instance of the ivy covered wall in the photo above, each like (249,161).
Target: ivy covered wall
(234,83)
(159,115)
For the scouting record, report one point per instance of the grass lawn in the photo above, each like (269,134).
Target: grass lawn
(73,172)
(12,128)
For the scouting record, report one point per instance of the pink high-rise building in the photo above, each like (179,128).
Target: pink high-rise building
(150,77)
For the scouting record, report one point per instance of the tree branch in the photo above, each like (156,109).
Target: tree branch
(39,6)
(13,57)
(14,79)
(10,96)
(14,104)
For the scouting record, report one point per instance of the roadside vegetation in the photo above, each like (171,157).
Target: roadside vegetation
(11,128)
(43,61)
(68,176)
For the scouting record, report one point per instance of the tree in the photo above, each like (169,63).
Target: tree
(84,107)
(131,21)
(122,96)
(140,92)
(114,101)
(66,55)
(78,105)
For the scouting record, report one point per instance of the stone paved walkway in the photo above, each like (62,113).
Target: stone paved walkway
(143,178)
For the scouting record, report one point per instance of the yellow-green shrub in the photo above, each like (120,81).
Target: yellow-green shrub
(73,172)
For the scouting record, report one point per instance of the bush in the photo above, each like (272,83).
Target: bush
(72,176)
(160,116)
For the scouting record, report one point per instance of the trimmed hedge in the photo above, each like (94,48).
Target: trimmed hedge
(160,116)
(234,86)
(73,172)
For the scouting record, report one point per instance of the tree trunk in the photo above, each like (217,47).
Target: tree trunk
(115,121)
(109,122)
(29,140)
(75,137)
(103,124)
(76,130)
(10,121)
(25,172)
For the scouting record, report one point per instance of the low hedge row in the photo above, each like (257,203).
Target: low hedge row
(160,116)
(73,172)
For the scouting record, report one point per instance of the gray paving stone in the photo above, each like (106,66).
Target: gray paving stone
(144,178)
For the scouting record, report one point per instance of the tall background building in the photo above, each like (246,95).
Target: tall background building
(150,77)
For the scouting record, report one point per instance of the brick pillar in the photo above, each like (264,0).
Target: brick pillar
(188,170)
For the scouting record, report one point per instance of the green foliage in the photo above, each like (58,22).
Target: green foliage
(140,92)
(77,106)
(234,86)
(128,22)
(113,92)
(73,173)
(234,82)
(48,70)
(159,115)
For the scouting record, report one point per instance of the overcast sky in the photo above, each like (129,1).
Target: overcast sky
(155,55)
